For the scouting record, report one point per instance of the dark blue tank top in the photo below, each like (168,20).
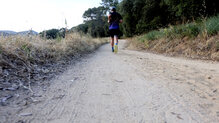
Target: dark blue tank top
(114,21)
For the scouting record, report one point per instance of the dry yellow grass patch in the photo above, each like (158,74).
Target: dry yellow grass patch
(36,48)
(24,60)
(198,48)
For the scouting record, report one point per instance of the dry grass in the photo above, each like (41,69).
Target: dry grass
(195,40)
(198,48)
(36,48)
(24,59)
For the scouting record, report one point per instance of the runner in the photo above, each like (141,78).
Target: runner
(114,19)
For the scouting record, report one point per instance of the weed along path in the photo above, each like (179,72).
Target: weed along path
(129,87)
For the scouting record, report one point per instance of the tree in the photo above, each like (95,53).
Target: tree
(109,3)
(128,25)
(81,28)
(184,9)
(94,13)
(152,16)
(95,22)
(210,7)
(53,33)
(140,16)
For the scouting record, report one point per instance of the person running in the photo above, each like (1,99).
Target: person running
(114,19)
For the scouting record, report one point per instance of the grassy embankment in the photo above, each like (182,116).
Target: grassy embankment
(24,59)
(195,40)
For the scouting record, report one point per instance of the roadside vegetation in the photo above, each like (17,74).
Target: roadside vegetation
(196,40)
(206,28)
(142,16)
(185,28)
(26,59)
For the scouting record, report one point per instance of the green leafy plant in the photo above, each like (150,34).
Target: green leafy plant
(153,35)
(27,49)
(206,28)
(212,25)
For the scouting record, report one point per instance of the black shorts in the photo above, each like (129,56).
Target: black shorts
(114,32)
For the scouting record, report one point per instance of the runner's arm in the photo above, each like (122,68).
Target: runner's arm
(120,19)
(109,18)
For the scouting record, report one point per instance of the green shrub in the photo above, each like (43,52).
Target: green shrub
(27,49)
(141,38)
(190,30)
(176,32)
(212,25)
(53,33)
(154,35)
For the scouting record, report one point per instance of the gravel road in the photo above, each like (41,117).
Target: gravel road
(128,87)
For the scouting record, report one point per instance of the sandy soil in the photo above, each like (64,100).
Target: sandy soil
(128,87)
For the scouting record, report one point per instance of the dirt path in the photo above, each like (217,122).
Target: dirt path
(130,87)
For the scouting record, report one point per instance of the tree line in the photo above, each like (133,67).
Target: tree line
(142,16)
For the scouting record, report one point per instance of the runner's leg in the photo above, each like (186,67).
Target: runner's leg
(112,43)
(117,36)
(116,39)
(116,43)
(112,39)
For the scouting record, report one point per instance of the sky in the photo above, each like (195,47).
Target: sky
(39,15)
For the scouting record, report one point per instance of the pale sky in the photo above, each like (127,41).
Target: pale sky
(22,15)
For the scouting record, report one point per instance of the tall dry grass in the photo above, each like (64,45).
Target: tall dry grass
(36,48)
(25,59)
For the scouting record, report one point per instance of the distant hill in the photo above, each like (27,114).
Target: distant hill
(28,32)
(8,32)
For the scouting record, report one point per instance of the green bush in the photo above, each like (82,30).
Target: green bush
(27,49)
(53,33)
(190,30)
(175,32)
(212,25)
(154,35)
